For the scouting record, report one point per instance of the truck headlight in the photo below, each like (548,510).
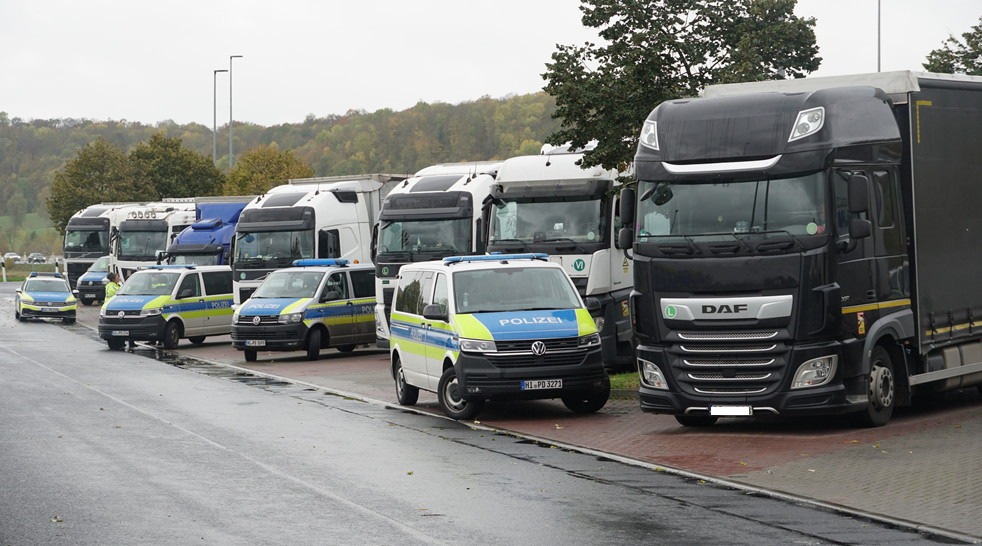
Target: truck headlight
(815,372)
(152,312)
(591,340)
(651,375)
(290,318)
(477,346)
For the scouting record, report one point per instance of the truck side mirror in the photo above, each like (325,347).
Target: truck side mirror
(627,205)
(858,194)
(860,229)
(625,238)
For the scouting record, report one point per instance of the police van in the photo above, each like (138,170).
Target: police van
(314,305)
(166,303)
(494,327)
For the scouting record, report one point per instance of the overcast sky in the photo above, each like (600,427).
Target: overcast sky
(151,61)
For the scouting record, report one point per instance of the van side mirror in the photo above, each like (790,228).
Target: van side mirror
(435,311)
(592,304)
(860,229)
(625,238)
(186,293)
(858,194)
(331,295)
(627,205)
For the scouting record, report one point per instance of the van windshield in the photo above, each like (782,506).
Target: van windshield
(149,283)
(513,289)
(289,284)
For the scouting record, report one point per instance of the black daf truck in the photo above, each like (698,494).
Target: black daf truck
(808,246)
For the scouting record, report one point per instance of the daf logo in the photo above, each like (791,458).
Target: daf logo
(724,309)
(538,348)
(121,314)
(256,320)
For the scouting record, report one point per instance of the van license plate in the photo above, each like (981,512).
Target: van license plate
(539,384)
(49,309)
(731,411)
(255,343)
(88,296)
(122,333)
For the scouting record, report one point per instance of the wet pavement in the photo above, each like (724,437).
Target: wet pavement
(922,470)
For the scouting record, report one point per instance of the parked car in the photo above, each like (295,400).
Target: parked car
(45,295)
(13,257)
(36,258)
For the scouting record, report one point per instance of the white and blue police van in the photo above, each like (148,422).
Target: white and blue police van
(316,304)
(494,327)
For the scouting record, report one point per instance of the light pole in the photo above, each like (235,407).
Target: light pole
(230,156)
(214,115)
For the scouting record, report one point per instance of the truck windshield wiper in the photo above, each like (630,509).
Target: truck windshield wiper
(576,246)
(519,241)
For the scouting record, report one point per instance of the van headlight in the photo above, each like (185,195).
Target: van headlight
(590,340)
(477,346)
(651,375)
(235,317)
(815,372)
(290,318)
(152,312)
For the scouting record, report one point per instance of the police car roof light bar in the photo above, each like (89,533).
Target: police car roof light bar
(171,266)
(319,262)
(496,257)
(44,274)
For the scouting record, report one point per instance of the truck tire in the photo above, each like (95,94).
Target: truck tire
(250,355)
(696,420)
(314,344)
(881,391)
(589,401)
(451,402)
(406,394)
(116,344)
(172,334)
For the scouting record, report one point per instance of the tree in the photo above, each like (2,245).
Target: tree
(173,170)
(663,49)
(957,56)
(263,168)
(100,172)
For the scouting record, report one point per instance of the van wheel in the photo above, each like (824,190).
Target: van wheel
(197,340)
(87,302)
(18,316)
(250,355)
(406,394)
(314,344)
(68,320)
(588,401)
(346,348)
(172,334)
(116,344)
(880,391)
(696,420)
(451,401)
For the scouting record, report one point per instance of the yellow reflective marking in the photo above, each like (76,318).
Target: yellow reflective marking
(918,105)
(876,306)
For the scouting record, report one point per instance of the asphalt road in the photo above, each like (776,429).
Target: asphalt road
(108,447)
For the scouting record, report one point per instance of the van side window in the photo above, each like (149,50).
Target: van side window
(363,284)
(426,293)
(217,282)
(337,282)
(191,283)
(409,291)
(441,295)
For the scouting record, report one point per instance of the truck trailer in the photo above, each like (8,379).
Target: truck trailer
(808,247)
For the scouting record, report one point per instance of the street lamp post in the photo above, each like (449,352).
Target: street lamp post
(214,115)
(231,158)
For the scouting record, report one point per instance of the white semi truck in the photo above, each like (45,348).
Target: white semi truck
(149,229)
(549,203)
(89,236)
(326,217)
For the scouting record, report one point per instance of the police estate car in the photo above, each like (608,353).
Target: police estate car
(314,305)
(493,327)
(91,285)
(167,303)
(45,295)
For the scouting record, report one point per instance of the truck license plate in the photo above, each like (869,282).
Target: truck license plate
(255,343)
(538,384)
(731,411)
(121,333)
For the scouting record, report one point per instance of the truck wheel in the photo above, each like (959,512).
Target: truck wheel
(346,348)
(314,344)
(451,401)
(881,391)
(406,394)
(589,401)
(250,355)
(696,420)
(172,334)
(116,344)
(197,340)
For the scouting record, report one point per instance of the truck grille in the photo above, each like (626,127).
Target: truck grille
(727,336)
(729,363)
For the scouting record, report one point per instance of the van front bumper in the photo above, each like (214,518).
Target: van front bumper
(497,377)
(141,329)
(270,337)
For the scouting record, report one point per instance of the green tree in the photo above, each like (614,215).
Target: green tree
(17,208)
(173,170)
(100,172)
(263,168)
(958,56)
(663,49)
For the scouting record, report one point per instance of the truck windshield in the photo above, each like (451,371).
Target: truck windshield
(261,249)
(795,206)
(541,221)
(444,236)
(149,283)
(289,284)
(88,240)
(513,289)
(196,259)
(141,245)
